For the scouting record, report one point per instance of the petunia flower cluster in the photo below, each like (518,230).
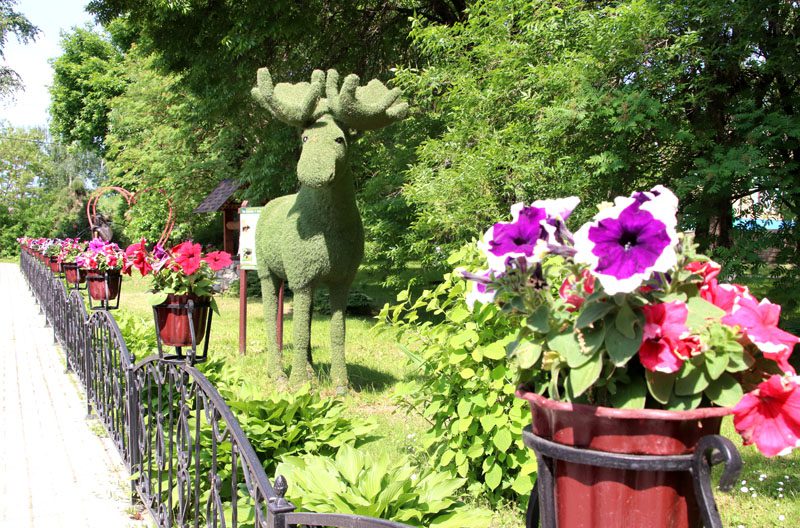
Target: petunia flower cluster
(103,256)
(182,269)
(625,313)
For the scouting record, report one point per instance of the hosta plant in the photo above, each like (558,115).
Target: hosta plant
(625,313)
(387,486)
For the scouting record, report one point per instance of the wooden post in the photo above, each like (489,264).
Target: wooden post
(242,311)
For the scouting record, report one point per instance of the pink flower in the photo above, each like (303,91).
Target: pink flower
(759,325)
(187,256)
(666,343)
(770,416)
(707,270)
(568,290)
(218,260)
(724,295)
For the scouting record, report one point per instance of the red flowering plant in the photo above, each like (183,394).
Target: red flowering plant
(103,256)
(181,270)
(625,313)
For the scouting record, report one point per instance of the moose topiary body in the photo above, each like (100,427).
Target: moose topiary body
(315,237)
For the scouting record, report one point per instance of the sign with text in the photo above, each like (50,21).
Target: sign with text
(248,218)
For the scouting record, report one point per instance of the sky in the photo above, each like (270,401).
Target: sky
(30,61)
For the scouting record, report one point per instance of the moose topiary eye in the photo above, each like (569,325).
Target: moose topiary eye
(305,138)
(339,140)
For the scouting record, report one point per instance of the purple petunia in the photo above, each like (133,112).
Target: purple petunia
(480,290)
(532,229)
(625,244)
(96,245)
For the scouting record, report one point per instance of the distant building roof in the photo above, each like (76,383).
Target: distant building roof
(218,197)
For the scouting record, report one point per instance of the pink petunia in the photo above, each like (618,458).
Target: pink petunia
(724,295)
(218,260)
(187,256)
(666,343)
(759,325)
(769,416)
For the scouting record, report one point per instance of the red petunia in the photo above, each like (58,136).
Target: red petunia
(759,325)
(769,416)
(666,343)
(218,260)
(568,290)
(187,256)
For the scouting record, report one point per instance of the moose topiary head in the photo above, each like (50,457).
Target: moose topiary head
(315,237)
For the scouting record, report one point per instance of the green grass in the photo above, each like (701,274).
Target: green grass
(376,364)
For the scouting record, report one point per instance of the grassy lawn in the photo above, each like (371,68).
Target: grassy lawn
(767,494)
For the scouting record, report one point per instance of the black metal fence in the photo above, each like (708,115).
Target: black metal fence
(191,465)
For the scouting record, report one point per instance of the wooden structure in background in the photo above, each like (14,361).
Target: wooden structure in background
(221,199)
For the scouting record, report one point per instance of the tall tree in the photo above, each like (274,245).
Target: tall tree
(86,78)
(599,98)
(12,23)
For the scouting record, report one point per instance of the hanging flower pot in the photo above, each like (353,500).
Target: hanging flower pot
(590,496)
(173,321)
(74,274)
(53,264)
(104,286)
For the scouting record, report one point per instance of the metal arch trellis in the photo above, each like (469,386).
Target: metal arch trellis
(192,464)
(130,199)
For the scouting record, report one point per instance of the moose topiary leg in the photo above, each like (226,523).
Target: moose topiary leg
(270,287)
(338,294)
(301,326)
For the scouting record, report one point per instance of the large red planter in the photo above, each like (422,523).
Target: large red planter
(101,289)
(55,266)
(73,274)
(591,497)
(173,322)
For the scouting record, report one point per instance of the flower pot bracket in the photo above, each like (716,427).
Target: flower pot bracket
(130,199)
(711,450)
(192,357)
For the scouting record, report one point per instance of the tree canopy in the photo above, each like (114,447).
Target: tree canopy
(12,23)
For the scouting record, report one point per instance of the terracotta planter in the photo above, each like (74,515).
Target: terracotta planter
(173,322)
(73,274)
(55,266)
(589,496)
(97,284)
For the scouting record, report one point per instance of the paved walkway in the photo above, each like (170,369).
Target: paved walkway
(57,469)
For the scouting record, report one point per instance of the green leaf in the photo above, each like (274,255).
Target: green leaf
(700,313)
(591,312)
(725,391)
(626,321)
(523,484)
(502,439)
(715,363)
(621,348)
(528,354)
(157,298)
(496,350)
(467,373)
(684,403)
(660,385)
(567,345)
(349,463)
(691,380)
(539,320)
(585,376)
(632,395)
(591,339)
(494,476)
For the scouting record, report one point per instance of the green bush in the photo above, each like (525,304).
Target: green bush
(388,487)
(464,386)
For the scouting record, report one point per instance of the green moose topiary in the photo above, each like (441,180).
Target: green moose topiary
(315,237)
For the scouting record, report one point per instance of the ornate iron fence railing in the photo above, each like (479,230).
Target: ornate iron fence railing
(190,461)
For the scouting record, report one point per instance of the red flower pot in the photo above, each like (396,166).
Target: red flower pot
(172,319)
(73,274)
(99,288)
(55,266)
(588,496)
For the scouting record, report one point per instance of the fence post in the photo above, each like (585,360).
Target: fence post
(133,428)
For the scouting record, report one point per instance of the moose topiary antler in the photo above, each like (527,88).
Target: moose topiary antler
(296,104)
(363,107)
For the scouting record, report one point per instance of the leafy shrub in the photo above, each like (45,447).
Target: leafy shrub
(387,487)
(288,423)
(464,387)
(139,335)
